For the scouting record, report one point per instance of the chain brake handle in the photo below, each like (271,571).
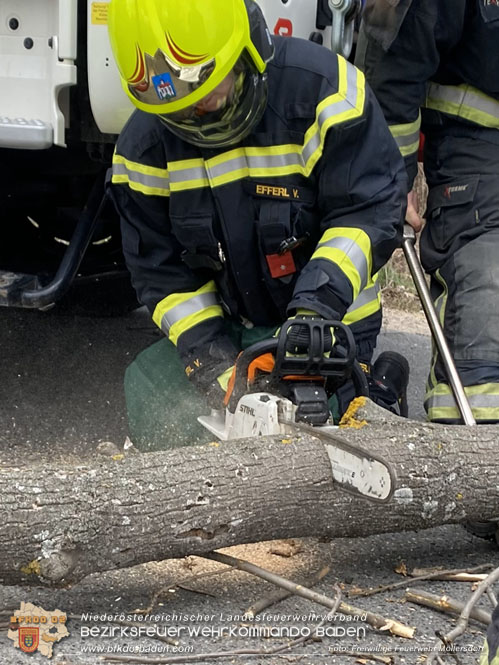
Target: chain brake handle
(310,364)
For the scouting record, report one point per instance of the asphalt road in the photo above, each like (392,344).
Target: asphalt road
(61,391)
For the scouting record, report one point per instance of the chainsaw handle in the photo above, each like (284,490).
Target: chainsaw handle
(244,360)
(247,356)
(312,364)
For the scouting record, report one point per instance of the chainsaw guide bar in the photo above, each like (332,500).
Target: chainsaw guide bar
(354,468)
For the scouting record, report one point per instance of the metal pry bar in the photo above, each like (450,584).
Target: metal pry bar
(418,277)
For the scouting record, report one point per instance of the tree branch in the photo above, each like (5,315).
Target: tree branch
(375,620)
(451,574)
(445,604)
(464,617)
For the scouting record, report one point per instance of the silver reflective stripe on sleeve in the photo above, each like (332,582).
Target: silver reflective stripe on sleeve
(187,308)
(149,180)
(179,312)
(367,303)
(367,296)
(354,253)
(337,109)
(464,101)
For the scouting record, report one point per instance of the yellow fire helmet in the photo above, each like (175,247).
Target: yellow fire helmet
(200,65)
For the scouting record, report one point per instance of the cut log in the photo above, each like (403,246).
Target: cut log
(59,524)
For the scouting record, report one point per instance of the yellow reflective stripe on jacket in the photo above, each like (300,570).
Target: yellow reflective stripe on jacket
(191,172)
(278,160)
(350,250)
(146,179)
(236,165)
(484,402)
(407,136)
(464,101)
(344,105)
(368,302)
(179,312)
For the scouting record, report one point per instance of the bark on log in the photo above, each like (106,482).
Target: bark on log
(59,524)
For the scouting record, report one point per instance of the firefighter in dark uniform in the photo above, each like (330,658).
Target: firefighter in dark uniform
(490,654)
(434,66)
(256,181)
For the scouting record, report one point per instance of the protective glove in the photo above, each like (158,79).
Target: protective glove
(210,373)
(298,337)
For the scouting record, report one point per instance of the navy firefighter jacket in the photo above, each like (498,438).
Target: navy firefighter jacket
(303,213)
(433,63)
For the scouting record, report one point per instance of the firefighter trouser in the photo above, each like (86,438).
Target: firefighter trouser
(490,654)
(163,405)
(460,250)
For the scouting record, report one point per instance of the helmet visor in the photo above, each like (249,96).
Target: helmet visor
(227,114)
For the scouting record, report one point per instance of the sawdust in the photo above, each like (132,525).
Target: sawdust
(349,417)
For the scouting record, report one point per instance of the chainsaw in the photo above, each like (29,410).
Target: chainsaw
(273,393)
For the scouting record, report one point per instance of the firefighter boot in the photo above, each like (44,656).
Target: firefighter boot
(388,382)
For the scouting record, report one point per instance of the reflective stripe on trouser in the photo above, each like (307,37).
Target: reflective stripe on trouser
(468,291)
(364,319)
(483,399)
(487,657)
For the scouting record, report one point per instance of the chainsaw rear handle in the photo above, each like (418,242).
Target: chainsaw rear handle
(312,364)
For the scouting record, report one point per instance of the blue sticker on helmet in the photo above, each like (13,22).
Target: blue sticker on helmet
(163,85)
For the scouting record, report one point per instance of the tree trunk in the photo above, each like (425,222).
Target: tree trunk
(59,524)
